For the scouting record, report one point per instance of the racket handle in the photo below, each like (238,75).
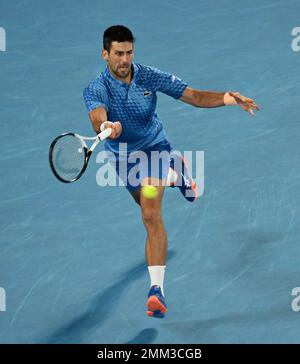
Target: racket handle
(105,134)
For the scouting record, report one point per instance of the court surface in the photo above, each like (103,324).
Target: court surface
(72,256)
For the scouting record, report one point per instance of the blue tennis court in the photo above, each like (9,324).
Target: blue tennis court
(72,257)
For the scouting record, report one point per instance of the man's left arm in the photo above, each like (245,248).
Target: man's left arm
(209,99)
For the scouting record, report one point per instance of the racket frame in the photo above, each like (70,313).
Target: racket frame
(87,152)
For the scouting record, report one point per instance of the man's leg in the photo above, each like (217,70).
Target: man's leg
(154,172)
(156,244)
(156,248)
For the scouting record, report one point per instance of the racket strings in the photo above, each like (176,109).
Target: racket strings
(68,157)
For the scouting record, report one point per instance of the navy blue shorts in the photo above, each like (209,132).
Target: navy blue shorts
(150,162)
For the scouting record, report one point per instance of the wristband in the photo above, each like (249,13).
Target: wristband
(103,126)
(229,100)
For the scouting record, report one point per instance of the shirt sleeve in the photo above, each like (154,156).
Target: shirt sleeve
(165,82)
(95,95)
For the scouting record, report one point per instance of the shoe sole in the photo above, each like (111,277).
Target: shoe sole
(156,314)
(155,307)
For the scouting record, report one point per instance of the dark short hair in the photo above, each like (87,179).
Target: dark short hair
(116,33)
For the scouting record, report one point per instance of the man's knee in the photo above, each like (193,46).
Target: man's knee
(151,216)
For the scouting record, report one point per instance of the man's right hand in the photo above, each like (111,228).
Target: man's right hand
(99,120)
(115,126)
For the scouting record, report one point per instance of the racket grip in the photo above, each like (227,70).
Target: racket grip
(105,134)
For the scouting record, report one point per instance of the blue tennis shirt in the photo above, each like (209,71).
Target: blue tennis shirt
(133,105)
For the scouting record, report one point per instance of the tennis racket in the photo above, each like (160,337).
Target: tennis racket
(69,154)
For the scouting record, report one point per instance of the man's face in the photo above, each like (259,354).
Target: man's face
(119,59)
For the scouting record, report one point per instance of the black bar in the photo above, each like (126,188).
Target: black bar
(87,353)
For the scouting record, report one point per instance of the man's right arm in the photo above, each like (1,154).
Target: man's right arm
(98,116)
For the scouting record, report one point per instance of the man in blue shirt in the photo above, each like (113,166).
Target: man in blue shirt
(125,94)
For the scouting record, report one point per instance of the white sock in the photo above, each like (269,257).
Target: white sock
(157,274)
(172,177)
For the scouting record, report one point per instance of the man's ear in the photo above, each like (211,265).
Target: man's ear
(105,54)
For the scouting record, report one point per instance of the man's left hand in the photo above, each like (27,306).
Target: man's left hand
(247,104)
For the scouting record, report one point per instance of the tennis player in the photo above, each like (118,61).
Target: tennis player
(123,97)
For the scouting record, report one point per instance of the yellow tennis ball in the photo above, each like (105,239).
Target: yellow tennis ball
(149,191)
